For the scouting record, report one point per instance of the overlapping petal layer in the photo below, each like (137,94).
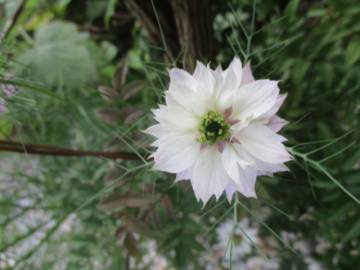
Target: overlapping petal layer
(252,148)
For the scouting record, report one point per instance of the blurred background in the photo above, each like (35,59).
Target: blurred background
(83,75)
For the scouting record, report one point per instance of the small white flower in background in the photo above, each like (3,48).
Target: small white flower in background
(2,105)
(243,246)
(218,130)
(9,91)
(246,240)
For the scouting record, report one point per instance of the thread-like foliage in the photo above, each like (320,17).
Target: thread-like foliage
(86,75)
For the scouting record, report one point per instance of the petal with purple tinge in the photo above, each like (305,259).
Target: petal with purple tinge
(230,190)
(247,76)
(182,176)
(181,80)
(239,165)
(264,144)
(208,175)
(279,101)
(175,153)
(255,99)
(204,75)
(276,123)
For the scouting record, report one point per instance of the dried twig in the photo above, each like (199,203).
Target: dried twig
(36,149)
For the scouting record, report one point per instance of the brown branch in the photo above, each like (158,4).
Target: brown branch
(13,21)
(37,149)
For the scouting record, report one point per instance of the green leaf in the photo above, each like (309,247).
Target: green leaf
(292,7)
(110,10)
(353,232)
(352,54)
(59,56)
(5,127)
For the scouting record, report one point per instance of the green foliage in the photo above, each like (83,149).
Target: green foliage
(88,76)
(316,59)
(59,56)
(5,127)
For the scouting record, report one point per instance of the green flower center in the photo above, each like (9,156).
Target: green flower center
(213,128)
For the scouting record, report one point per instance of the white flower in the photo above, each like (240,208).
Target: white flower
(242,246)
(218,130)
(2,105)
(9,90)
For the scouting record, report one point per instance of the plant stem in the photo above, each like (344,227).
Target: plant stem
(36,149)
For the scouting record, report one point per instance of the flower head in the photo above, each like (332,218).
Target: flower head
(218,129)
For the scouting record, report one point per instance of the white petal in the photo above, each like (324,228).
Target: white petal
(192,102)
(234,68)
(279,101)
(231,81)
(255,99)
(247,187)
(184,175)
(276,123)
(229,85)
(205,79)
(234,154)
(268,168)
(176,153)
(230,190)
(180,80)
(263,144)
(156,131)
(247,181)
(247,76)
(218,75)
(219,70)
(240,167)
(208,175)
(230,161)
(175,118)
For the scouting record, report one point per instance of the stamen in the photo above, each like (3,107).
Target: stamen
(213,128)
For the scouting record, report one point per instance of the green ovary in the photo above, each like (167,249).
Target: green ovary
(213,128)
